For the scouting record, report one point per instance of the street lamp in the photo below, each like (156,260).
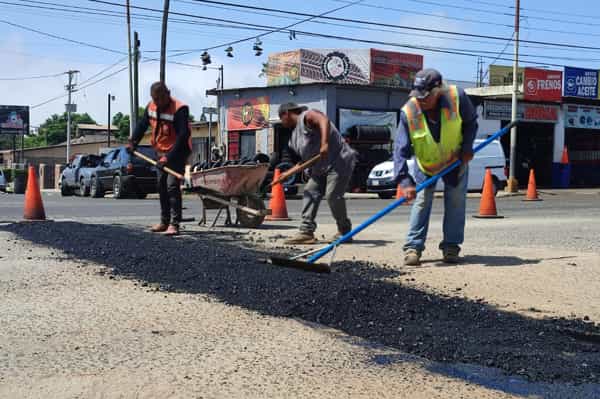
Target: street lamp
(110,98)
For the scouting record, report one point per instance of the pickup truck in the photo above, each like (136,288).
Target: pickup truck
(76,176)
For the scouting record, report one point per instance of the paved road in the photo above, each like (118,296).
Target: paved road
(145,211)
(87,313)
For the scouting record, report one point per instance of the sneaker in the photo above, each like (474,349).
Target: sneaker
(451,255)
(339,235)
(301,239)
(412,257)
(159,228)
(172,230)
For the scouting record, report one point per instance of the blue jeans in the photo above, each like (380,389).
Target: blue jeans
(455,199)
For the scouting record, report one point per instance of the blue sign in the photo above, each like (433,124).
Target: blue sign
(581,83)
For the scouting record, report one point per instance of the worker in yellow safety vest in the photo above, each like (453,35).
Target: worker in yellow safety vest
(438,125)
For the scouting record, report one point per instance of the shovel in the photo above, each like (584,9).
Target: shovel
(316,254)
(154,163)
(292,171)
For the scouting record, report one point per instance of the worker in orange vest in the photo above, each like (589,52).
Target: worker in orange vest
(171,138)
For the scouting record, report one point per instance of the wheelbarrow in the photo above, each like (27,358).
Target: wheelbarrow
(235,186)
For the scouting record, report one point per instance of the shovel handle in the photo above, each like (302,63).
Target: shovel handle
(154,163)
(292,171)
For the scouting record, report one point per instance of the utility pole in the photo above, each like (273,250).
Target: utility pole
(163,42)
(131,117)
(110,98)
(70,108)
(136,85)
(479,72)
(513,184)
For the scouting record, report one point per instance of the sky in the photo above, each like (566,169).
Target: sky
(25,54)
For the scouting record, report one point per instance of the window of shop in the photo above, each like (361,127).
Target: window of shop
(584,155)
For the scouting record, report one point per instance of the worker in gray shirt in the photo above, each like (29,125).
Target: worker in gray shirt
(313,133)
(437,126)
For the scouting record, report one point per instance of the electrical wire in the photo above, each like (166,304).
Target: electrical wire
(368,22)
(34,77)
(361,22)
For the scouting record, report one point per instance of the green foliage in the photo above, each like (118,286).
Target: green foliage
(54,130)
(121,121)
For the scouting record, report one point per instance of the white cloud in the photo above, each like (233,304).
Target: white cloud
(186,83)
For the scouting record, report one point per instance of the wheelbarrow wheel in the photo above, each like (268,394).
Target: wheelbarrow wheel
(246,219)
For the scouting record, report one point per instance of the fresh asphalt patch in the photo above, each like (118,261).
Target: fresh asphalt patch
(361,299)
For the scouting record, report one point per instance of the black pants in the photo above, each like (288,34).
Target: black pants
(169,190)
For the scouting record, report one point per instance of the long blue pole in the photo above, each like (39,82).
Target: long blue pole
(429,182)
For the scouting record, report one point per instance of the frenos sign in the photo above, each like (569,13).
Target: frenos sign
(581,82)
(542,85)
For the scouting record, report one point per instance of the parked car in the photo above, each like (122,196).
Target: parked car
(124,174)
(492,156)
(76,176)
(2,181)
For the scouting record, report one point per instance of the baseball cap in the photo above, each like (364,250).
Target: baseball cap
(425,81)
(291,107)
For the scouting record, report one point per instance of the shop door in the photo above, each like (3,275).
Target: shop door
(535,149)
(247,144)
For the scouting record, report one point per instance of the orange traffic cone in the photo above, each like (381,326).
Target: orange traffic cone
(565,156)
(487,208)
(400,194)
(532,194)
(34,208)
(277,203)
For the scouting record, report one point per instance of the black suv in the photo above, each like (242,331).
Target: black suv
(124,174)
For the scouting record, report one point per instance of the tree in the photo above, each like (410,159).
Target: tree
(54,130)
(122,122)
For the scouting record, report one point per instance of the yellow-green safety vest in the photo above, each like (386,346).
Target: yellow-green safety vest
(432,157)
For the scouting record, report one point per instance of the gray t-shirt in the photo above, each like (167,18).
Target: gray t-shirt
(306,142)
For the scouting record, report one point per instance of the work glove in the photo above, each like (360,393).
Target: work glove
(161,163)
(131,147)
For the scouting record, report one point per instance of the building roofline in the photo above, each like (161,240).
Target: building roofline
(215,92)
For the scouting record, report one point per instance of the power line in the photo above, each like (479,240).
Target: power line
(499,55)
(60,37)
(34,77)
(361,22)
(281,28)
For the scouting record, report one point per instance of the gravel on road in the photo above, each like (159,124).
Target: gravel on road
(361,299)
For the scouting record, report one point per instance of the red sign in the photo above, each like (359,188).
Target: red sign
(540,113)
(394,69)
(542,85)
(248,114)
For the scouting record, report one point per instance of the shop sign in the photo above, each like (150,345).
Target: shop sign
(582,117)
(502,75)
(496,110)
(392,69)
(542,85)
(14,119)
(581,83)
(248,114)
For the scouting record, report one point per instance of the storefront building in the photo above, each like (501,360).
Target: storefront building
(361,91)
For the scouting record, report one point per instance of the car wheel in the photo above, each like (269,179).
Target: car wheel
(83,190)
(96,189)
(118,188)
(386,195)
(64,190)
(141,195)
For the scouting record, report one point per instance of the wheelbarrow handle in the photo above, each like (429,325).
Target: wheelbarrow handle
(154,163)
(292,171)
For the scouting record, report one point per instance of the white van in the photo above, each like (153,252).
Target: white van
(380,180)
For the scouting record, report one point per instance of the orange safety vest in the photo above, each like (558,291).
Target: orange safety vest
(164,135)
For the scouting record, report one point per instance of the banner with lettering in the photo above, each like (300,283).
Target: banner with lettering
(581,83)
(542,85)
